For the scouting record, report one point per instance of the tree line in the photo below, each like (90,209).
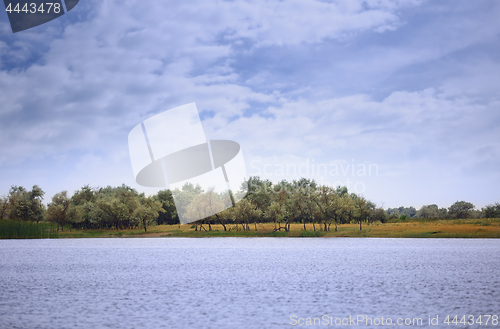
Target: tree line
(261,201)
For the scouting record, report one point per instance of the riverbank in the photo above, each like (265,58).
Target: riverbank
(471,228)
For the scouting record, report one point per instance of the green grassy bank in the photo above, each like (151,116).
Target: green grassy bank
(469,228)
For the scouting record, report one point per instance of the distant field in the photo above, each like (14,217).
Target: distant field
(471,228)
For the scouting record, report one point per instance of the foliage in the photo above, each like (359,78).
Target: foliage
(60,210)
(146,211)
(169,215)
(492,211)
(461,209)
(26,205)
(409,212)
(18,229)
(283,204)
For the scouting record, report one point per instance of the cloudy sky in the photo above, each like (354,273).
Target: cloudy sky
(409,89)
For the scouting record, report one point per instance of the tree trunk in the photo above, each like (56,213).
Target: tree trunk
(304,222)
(314,227)
(335,226)
(360,225)
(144,223)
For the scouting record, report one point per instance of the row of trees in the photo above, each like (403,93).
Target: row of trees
(118,207)
(458,210)
(284,203)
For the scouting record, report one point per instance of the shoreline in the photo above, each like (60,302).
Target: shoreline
(478,228)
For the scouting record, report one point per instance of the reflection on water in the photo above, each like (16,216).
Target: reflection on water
(242,282)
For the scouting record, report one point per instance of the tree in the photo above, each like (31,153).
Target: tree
(147,211)
(4,206)
(408,212)
(26,205)
(259,192)
(278,209)
(379,215)
(461,209)
(492,211)
(442,213)
(169,215)
(184,197)
(117,205)
(347,208)
(327,200)
(57,210)
(363,208)
(247,212)
(225,217)
(84,211)
(207,204)
(304,206)
(429,211)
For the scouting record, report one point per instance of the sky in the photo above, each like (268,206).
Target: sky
(398,100)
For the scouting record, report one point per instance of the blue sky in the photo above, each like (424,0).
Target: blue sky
(408,87)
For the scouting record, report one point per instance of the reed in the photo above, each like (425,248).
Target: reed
(17,229)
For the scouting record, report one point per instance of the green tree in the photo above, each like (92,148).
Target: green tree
(408,212)
(347,208)
(206,205)
(26,205)
(57,210)
(461,209)
(428,211)
(442,213)
(492,211)
(363,208)
(4,207)
(304,206)
(259,192)
(247,212)
(184,197)
(379,215)
(328,209)
(278,210)
(117,205)
(169,215)
(147,211)
(225,217)
(85,212)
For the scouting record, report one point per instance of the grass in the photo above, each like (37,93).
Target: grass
(13,229)
(469,228)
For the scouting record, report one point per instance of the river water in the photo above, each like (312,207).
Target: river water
(248,282)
